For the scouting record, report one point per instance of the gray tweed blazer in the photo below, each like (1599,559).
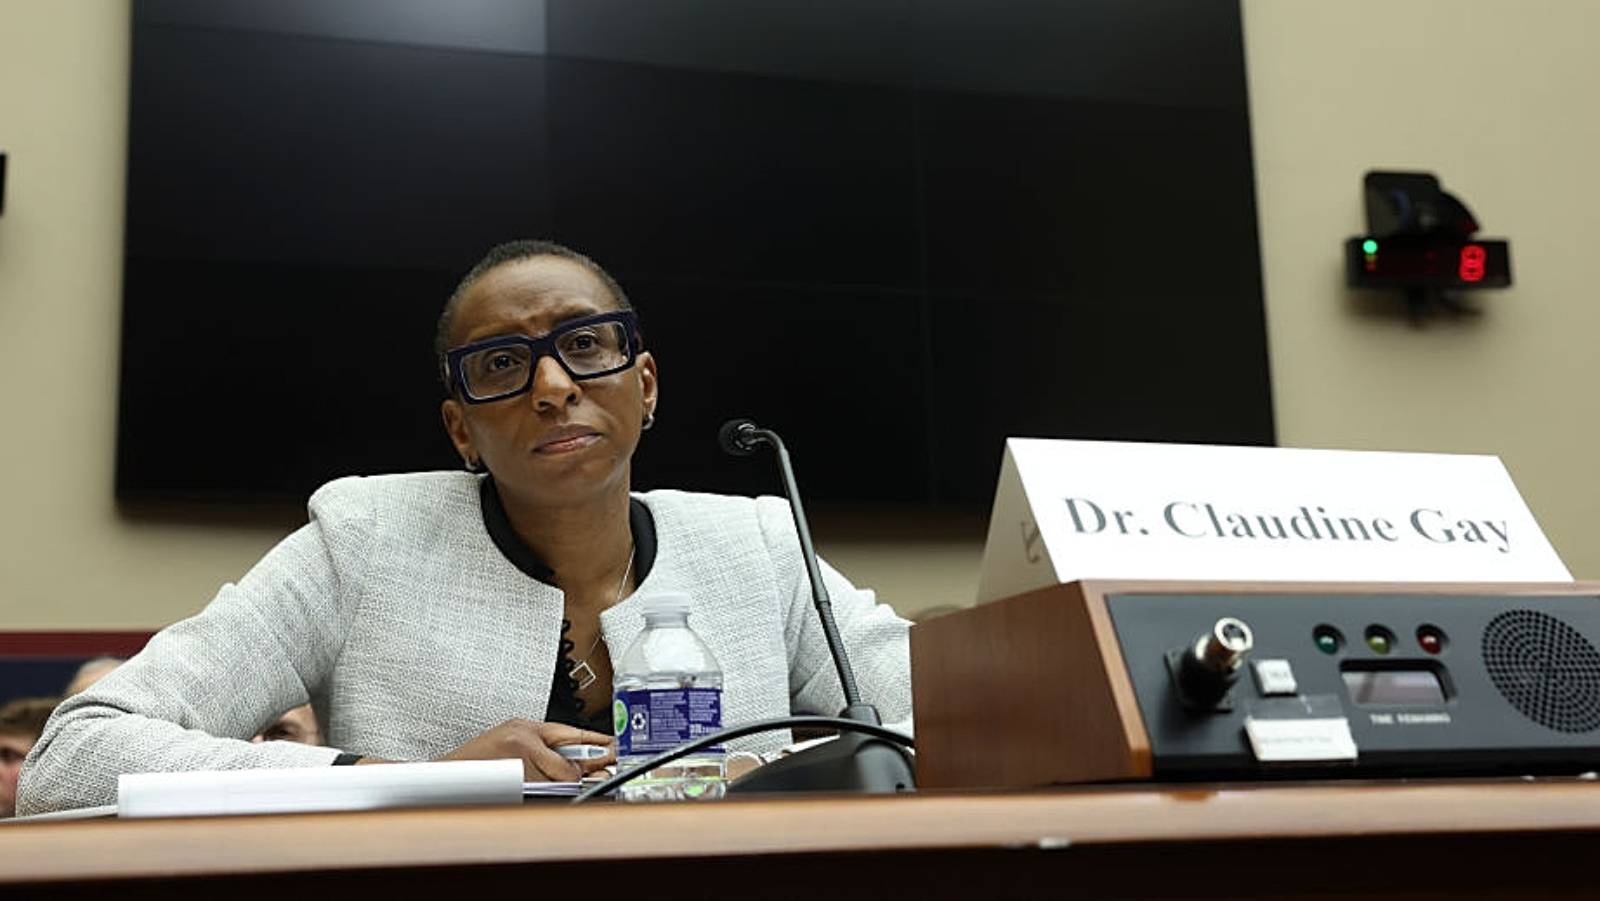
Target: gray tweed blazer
(393,612)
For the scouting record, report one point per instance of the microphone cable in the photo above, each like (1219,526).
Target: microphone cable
(706,741)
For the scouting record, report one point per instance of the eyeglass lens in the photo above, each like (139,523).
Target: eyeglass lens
(586,350)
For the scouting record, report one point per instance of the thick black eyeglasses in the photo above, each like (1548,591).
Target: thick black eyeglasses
(586,348)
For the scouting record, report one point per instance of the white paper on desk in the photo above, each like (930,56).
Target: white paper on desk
(551,789)
(74,813)
(307,789)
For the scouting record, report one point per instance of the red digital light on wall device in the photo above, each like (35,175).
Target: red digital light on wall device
(1471,266)
(1429,245)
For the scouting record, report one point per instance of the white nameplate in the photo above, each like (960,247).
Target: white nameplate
(1068,510)
(1300,740)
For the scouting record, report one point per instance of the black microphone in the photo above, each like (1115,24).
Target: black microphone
(852,761)
(740,437)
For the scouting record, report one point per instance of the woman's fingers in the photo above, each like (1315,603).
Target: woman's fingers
(561,734)
(531,743)
(540,763)
(556,735)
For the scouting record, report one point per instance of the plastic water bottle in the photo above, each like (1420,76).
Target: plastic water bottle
(667,690)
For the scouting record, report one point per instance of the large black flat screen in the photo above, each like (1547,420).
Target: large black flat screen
(896,232)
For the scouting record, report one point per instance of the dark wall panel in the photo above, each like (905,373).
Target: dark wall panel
(734,178)
(245,381)
(255,146)
(896,230)
(838,371)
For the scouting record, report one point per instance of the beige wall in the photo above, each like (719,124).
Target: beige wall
(1329,99)
(66,559)
(1499,98)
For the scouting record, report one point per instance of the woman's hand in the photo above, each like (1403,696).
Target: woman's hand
(533,743)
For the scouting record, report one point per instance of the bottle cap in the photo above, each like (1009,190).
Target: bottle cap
(665,603)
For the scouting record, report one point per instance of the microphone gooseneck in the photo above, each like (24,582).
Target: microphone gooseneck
(865,756)
(741,437)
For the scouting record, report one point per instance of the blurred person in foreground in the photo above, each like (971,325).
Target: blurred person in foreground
(476,614)
(298,725)
(90,672)
(21,721)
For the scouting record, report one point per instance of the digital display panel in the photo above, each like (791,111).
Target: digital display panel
(1394,688)
(1425,262)
(311,179)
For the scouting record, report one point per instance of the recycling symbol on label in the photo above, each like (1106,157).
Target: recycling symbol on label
(640,720)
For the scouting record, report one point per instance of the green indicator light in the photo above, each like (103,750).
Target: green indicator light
(1370,246)
(1327,644)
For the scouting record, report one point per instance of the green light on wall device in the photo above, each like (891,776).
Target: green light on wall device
(1430,246)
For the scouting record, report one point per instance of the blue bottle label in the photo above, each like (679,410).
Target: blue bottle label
(652,720)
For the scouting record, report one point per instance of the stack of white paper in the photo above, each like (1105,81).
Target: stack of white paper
(320,788)
(552,789)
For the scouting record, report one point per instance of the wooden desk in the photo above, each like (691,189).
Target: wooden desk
(1504,839)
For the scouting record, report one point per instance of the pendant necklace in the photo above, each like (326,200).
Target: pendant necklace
(582,671)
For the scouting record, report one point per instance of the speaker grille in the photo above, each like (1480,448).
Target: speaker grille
(1545,668)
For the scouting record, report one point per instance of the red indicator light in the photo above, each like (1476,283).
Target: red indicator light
(1472,262)
(1430,639)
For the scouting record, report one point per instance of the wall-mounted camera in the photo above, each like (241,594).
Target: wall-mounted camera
(1419,240)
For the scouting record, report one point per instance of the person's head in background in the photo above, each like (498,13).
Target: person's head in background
(21,722)
(299,724)
(91,672)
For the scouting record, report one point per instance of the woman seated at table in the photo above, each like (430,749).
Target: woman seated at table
(473,615)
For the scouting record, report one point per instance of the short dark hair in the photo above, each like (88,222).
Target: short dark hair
(26,716)
(499,255)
